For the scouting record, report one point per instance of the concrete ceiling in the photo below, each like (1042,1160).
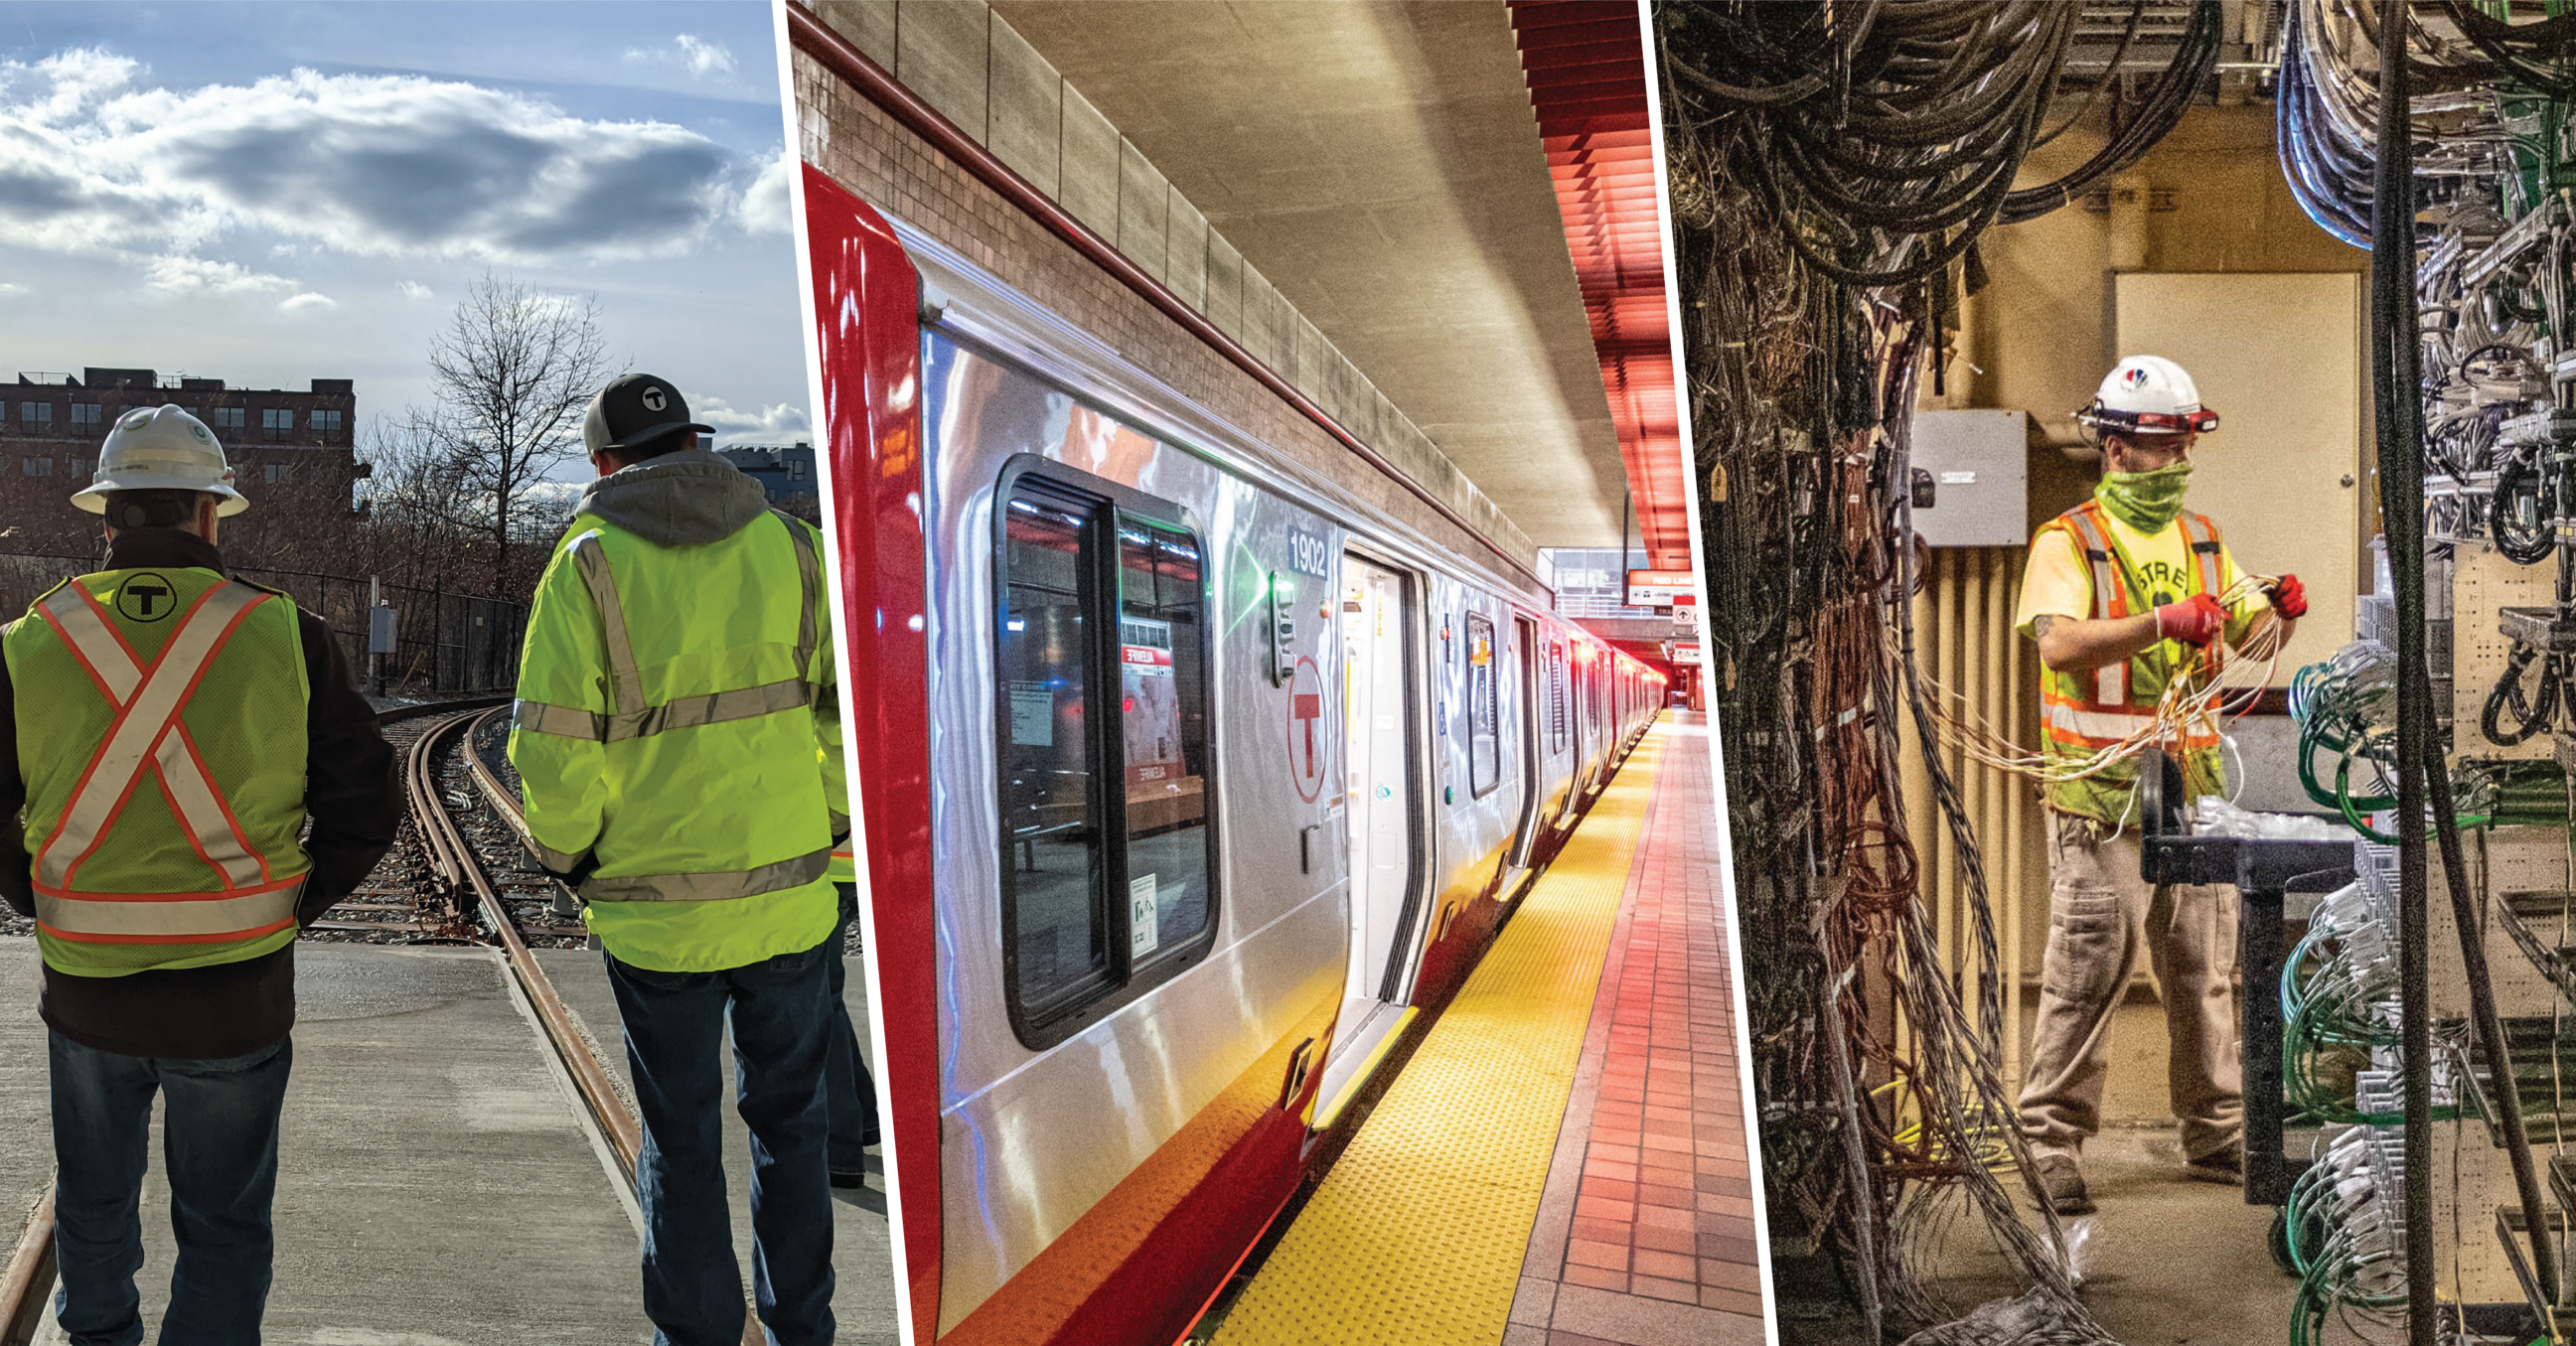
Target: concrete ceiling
(1379,162)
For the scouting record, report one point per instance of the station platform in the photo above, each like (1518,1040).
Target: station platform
(438,1180)
(1563,1160)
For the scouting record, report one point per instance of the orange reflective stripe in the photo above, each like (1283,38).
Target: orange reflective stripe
(2202,536)
(2110,595)
(147,735)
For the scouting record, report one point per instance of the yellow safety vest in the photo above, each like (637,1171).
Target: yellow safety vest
(677,724)
(2082,713)
(161,734)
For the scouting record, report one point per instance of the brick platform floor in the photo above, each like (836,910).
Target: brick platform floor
(1645,1235)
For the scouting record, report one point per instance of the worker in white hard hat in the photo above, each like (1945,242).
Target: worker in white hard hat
(2126,594)
(168,732)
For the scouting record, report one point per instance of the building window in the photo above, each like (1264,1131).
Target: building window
(326,425)
(228,418)
(281,474)
(85,415)
(35,417)
(1107,846)
(277,423)
(80,467)
(795,470)
(1484,709)
(36,467)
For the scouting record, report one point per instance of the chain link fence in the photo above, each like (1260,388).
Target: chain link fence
(444,642)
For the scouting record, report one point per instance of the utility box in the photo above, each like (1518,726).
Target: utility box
(1975,468)
(380,631)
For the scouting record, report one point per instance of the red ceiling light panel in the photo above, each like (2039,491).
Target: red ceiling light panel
(1585,64)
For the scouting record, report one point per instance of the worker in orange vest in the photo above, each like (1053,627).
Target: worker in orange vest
(2126,594)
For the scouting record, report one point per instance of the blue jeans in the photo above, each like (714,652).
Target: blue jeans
(219,1142)
(780,1009)
(850,1097)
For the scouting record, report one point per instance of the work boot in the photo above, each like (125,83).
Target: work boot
(2062,1182)
(2227,1166)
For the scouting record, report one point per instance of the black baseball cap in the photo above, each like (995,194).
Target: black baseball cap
(635,413)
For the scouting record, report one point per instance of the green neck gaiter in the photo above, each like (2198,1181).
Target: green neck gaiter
(2145,501)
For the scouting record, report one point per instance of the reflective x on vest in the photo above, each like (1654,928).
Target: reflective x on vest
(147,735)
(2112,715)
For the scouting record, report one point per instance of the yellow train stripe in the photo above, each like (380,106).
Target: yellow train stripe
(1417,1233)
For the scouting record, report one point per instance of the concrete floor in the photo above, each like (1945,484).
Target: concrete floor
(437,1183)
(26,1128)
(2166,1260)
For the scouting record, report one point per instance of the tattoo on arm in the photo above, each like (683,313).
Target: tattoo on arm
(2039,626)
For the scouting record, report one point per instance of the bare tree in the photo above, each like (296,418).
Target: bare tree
(512,374)
(423,516)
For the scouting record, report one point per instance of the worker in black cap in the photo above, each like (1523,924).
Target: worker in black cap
(678,742)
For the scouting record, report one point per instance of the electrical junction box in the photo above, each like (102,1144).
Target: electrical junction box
(1976,465)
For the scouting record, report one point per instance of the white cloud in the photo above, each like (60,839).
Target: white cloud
(308,300)
(9,287)
(412,289)
(92,161)
(703,57)
(197,275)
(763,207)
(775,424)
(697,55)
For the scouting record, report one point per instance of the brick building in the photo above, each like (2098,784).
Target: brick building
(784,471)
(292,452)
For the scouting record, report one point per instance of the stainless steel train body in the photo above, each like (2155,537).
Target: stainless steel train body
(1158,978)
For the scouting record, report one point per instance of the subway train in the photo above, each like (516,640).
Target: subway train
(1189,776)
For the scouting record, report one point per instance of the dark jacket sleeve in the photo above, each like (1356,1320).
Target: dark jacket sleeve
(16,875)
(350,787)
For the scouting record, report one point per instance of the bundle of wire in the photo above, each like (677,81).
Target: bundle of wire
(2347,1239)
(2202,696)
(2346,709)
(1831,169)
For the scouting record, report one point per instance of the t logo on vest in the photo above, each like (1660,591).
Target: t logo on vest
(145,597)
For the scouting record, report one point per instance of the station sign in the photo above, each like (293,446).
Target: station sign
(1686,653)
(1658,588)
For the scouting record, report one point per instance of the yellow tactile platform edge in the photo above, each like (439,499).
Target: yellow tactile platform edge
(1417,1234)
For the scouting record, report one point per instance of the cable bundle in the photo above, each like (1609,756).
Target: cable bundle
(1927,112)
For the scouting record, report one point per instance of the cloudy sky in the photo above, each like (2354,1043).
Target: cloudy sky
(270,193)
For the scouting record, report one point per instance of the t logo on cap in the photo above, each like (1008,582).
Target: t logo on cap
(637,417)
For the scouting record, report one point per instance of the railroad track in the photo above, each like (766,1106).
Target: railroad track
(469,889)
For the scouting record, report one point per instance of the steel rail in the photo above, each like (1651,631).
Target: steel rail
(454,855)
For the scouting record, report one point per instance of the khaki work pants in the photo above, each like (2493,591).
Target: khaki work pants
(2101,916)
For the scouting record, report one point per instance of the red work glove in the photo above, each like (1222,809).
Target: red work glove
(2195,621)
(2289,597)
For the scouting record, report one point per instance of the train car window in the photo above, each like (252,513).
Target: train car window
(1164,710)
(1484,709)
(1108,847)
(1052,806)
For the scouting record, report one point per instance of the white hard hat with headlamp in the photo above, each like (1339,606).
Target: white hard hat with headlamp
(161,449)
(2147,395)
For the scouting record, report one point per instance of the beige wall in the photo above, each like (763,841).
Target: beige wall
(2041,332)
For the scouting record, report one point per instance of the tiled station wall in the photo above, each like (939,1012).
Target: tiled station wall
(962,59)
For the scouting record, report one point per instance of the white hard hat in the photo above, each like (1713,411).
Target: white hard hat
(161,449)
(2149,395)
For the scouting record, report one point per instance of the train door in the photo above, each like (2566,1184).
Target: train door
(1525,640)
(1382,773)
